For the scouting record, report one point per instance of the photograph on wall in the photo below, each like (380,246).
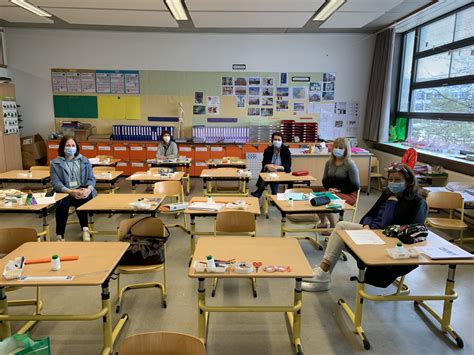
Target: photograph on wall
(267,91)
(315,96)
(227,90)
(316,86)
(254,100)
(298,108)
(329,86)
(213,109)
(73,82)
(227,81)
(199,110)
(240,101)
(254,91)
(254,81)
(282,92)
(328,95)
(59,81)
(240,90)
(267,112)
(240,82)
(267,101)
(283,78)
(329,77)
(253,111)
(282,105)
(213,100)
(299,92)
(267,81)
(88,82)
(198,98)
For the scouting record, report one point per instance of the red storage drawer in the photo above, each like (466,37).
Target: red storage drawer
(202,153)
(151,150)
(123,166)
(249,148)
(104,149)
(234,151)
(137,151)
(88,150)
(262,147)
(198,167)
(217,152)
(186,151)
(121,151)
(136,166)
(53,150)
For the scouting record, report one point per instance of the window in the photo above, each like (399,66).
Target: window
(436,92)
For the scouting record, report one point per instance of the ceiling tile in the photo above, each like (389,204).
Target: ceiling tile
(254,5)
(350,19)
(250,19)
(114,17)
(17,14)
(104,4)
(369,5)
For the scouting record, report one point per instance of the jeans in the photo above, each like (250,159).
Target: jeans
(336,245)
(62,213)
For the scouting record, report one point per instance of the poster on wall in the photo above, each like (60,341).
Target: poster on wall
(298,108)
(253,111)
(227,91)
(255,81)
(73,82)
(59,81)
(10,117)
(88,82)
(283,79)
(266,112)
(254,100)
(198,98)
(199,110)
(268,82)
(213,105)
(132,83)
(339,119)
(240,101)
(299,92)
(117,83)
(282,92)
(267,91)
(282,105)
(102,79)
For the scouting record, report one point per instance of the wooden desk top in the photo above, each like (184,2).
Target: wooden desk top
(177,176)
(22,175)
(222,173)
(226,163)
(170,162)
(96,262)
(377,255)
(119,202)
(102,175)
(269,250)
(253,204)
(32,208)
(304,206)
(286,177)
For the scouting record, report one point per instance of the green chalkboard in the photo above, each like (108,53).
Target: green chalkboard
(66,106)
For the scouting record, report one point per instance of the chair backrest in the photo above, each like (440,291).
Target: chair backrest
(12,238)
(103,168)
(304,190)
(445,200)
(102,157)
(162,343)
(354,213)
(169,188)
(150,227)
(39,168)
(235,222)
(374,164)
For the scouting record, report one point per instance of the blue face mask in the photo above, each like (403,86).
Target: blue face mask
(70,151)
(338,152)
(397,187)
(277,144)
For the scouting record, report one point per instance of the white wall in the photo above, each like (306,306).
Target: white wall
(31,53)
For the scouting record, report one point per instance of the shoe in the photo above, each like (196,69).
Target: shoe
(60,238)
(256,194)
(324,225)
(321,281)
(86,236)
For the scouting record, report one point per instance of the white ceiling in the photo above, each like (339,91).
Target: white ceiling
(250,19)
(369,5)
(254,5)
(17,14)
(104,4)
(350,19)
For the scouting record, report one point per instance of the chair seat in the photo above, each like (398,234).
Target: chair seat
(124,269)
(302,218)
(446,223)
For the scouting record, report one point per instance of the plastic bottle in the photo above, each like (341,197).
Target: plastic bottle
(290,202)
(30,174)
(55,263)
(210,199)
(400,249)
(210,262)
(29,198)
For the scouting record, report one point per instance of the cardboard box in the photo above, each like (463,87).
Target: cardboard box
(35,146)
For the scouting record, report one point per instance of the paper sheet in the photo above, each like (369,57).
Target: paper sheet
(365,237)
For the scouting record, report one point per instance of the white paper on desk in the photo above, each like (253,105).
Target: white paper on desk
(281,196)
(206,206)
(365,237)
(444,252)
(45,200)
(94,160)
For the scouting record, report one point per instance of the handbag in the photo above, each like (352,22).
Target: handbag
(320,201)
(408,234)
(300,173)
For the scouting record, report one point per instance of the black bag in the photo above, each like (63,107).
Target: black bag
(144,250)
(320,201)
(383,276)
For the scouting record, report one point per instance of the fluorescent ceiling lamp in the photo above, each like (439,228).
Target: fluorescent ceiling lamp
(328,9)
(177,9)
(31,8)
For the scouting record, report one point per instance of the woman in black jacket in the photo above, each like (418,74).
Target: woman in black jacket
(402,203)
(276,157)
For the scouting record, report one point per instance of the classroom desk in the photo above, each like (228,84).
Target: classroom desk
(305,207)
(185,164)
(227,163)
(269,251)
(118,204)
(376,255)
(42,210)
(282,178)
(95,267)
(145,178)
(104,178)
(20,176)
(253,206)
(104,162)
(224,174)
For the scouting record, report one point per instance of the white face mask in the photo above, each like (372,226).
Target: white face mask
(166,139)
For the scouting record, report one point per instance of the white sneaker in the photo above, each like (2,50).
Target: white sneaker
(321,281)
(86,235)
(59,238)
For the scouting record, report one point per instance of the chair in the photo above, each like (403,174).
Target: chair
(10,239)
(174,190)
(162,343)
(104,188)
(375,172)
(443,200)
(157,230)
(230,222)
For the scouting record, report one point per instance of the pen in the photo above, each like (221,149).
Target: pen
(22,262)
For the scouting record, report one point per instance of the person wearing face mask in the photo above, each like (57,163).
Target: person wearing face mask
(401,203)
(167,149)
(341,177)
(71,173)
(276,157)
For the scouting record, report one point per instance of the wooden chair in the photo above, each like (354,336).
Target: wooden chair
(375,172)
(162,343)
(173,190)
(10,239)
(450,201)
(159,231)
(231,222)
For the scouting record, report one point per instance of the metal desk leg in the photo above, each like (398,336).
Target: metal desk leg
(294,318)
(202,315)
(112,188)
(283,224)
(110,333)
(46,236)
(265,203)
(5,329)
(192,232)
(134,187)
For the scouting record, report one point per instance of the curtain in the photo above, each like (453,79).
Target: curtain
(377,115)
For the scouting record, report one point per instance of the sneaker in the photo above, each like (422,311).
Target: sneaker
(86,236)
(321,281)
(60,238)
(256,194)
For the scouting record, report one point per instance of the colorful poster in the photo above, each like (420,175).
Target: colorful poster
(102,80)
(117,83)
(132,83)
(73,82)
(59,81)
(240,101)
(199,98)
(88,82)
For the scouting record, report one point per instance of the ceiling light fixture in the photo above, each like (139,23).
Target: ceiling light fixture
(328,9)
(31,8)
(177,9)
